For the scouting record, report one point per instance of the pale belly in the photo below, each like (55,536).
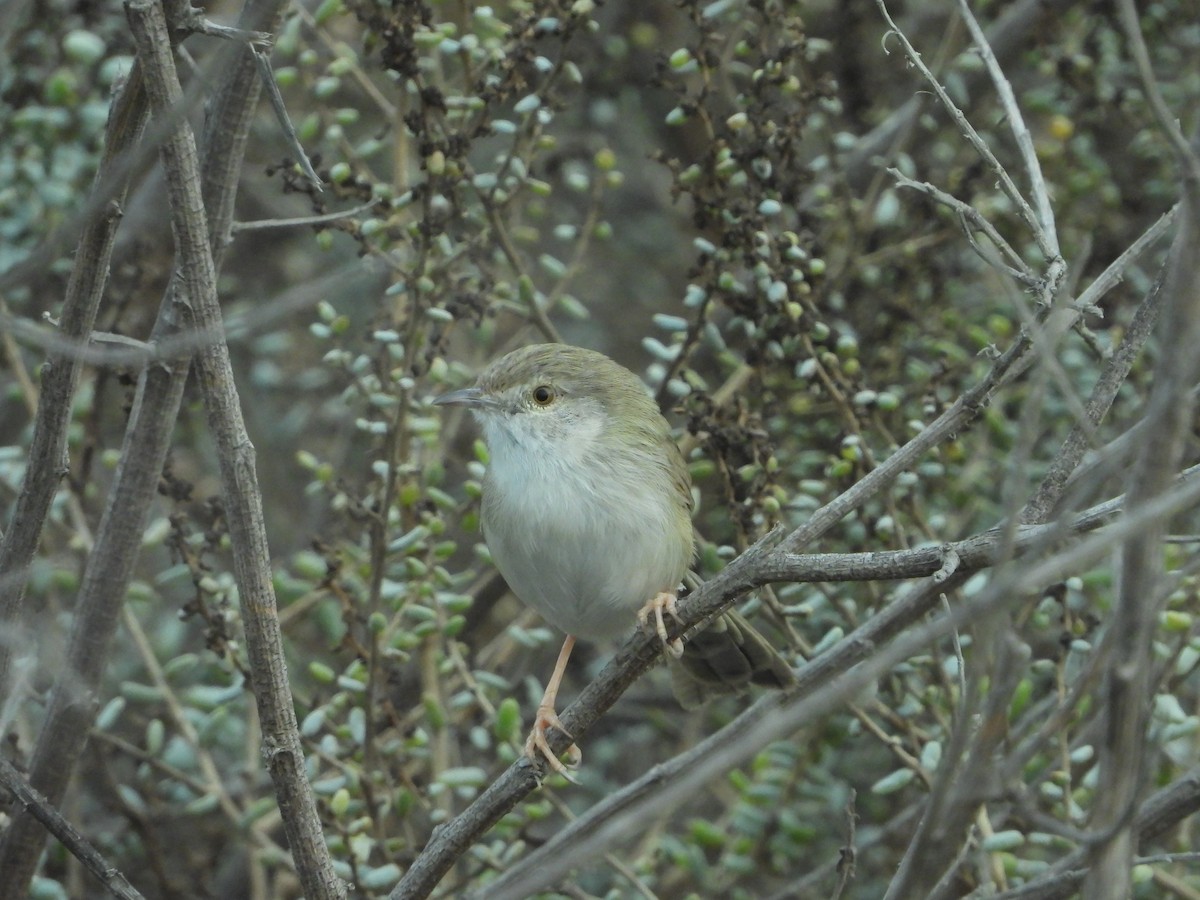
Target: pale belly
(586,573)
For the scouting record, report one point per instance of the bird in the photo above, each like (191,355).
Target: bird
(587,513)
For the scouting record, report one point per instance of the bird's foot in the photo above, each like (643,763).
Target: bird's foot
(537,746)
(655,607)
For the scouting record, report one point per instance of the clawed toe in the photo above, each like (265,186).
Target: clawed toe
(537,746)
(663,602)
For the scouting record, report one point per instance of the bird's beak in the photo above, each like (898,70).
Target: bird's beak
(471,397)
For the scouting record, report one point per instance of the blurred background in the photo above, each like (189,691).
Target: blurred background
(699,190)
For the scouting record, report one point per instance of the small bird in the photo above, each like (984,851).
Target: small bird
(587,507)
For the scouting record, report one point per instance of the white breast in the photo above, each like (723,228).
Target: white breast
(583,554)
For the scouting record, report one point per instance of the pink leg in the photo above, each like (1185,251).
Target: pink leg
(537,745)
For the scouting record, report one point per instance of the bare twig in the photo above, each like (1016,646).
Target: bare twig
(1114,273)
(200,25)
(213,785)
(37,806)
(953,420)
(1049,250)
(1185,151)
(1162,810)
(1008,36)
(1128,685)
(1065,462)
(824,683)
(970,216)
(61,373)
(965,775)
(1016,122)
(239,482)
(849,851)
(263,61)
(304,221)
(119,351)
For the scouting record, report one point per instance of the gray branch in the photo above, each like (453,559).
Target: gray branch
(118,540)
(239,480)
(1128,684)
(50,818)
(60,374)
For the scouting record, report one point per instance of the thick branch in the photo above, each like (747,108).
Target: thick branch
(239,480)
(759,565)
(1160,812)
(118,539)
(106,578)
(834,677)
(1128,683)
(60,375)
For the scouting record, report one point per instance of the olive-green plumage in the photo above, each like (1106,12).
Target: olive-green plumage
(587,504)
(587,512)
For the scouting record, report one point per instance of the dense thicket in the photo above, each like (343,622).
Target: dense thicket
(762,207)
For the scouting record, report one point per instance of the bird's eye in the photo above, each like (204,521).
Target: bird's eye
(543,395)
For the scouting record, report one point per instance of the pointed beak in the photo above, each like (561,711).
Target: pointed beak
(472,398)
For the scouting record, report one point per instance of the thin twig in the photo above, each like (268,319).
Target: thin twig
(1113,274)
(302,221)
(831,679)
(1116,370)
(1016,122)
(973,137)
(1186,154)
(849,852)
(263,61)
(1162,810)
(1014,30)
(118,351)
(1017,267)
(37,806)
(261,40)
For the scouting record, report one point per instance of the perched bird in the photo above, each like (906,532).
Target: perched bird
(587,513)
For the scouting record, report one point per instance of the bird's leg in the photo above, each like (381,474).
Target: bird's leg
(536,744)
(662,602)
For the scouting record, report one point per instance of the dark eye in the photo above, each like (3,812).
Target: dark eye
(543,395)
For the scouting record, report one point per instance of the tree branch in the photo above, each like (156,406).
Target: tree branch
(1008,36)
(763,563)
(1049,250)
(833,678)
(1161,811)
(1128,684)
(118,540)
(239,481)
(60,374)
(37,806)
